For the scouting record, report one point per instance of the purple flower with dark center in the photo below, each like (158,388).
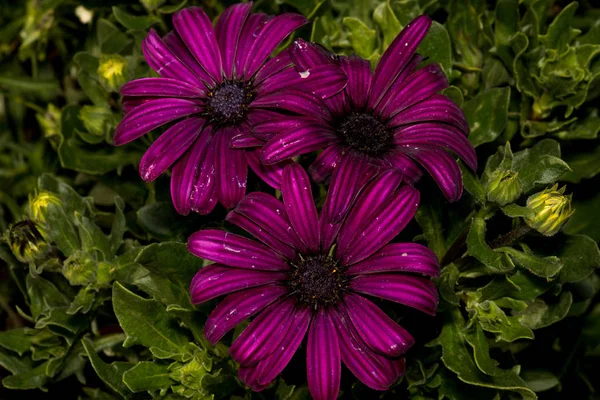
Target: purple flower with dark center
(309,276)
(216,83)
(392,118)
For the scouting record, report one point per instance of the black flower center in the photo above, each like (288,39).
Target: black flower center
(317,280)
(366,133)
(228,103)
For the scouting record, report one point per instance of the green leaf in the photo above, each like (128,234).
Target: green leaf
(540,380)
(472,184)
(362,38)
(457,357)
(148,376)
(170,9)
(162,221)
(546,267)
(146,322)
(436,47)
(585,220)
(539,165)
(130,21)
(476,338)
(560,33)
(33,378)
(62,231)
(581,257)
(83,302)
(515,211)
(478,248)
(43,295)
(493,319)
(487,114)
(16,340)
(386,19)
(429,217)
(71,200)
(506,25)
(584,165)
(111,374)
(540,314)
(14,363)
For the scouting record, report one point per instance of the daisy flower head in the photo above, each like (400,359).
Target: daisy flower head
(310,276)
(215,82)
(393,117)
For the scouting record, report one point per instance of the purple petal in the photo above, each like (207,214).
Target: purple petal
(443,135)
(271,174)
(151,115)
(270,367)
(129,103)
(374,371)
(400,82)
(340,104)
(294,101)
(203,197)
(399,257)
(300,206)
(388,220)
(304,139)
(374,196)
(274,66)
(232,169)
(359,79)
(273,33)
(323,358)
(196,31)
(161,87)
(234,250)
(245,141)
(228,30)
(379,332)
(267,129)
(270,214)
(437,108)
(238,307)
(322,80)
(254,25)
(306,55)
(416,292)
(410,170)
(352,173)
(264,334)
(190,170)
(161,59)
(326,162)
(248,376)
(442,167)
(261,234)
(397,56)
(169,147)
(216,280)
(176,45)
(419,86)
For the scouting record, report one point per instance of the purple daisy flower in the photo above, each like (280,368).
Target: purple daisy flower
(392,118)
(217,82)
(310,275)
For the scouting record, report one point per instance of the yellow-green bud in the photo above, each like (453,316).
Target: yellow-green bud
(96,120)
(504,187)
(80,269)
(38,210)
(50,122)
(111,71)
(552,209)
(26,241)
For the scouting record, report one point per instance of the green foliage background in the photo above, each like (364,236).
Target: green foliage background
(102,311)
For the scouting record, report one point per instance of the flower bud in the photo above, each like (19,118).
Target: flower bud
(50,122)
(112,71)
(80,269)
(504,187)
(38,210)
(552,209)
(26,241)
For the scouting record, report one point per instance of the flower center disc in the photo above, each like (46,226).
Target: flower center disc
(365,133)
(227,103)
(317,280)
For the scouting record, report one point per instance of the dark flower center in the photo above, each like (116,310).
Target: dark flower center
(317,280)
(366,133)
(228,103)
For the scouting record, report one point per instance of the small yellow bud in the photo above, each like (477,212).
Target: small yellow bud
(38,210)
(26,241)
(504,187)
(112,70)
(552,210)
(80,269)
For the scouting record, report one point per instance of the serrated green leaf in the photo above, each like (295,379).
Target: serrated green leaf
(539,165)
(540,314)
(147,376)
(581,257)
(146,322)
(546,267)
(32,378)
(436,47)
(478,248)
(111,374)
(487,114)
(476,338)
(16,340)
(560,32)
(493,319)
(362,38)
